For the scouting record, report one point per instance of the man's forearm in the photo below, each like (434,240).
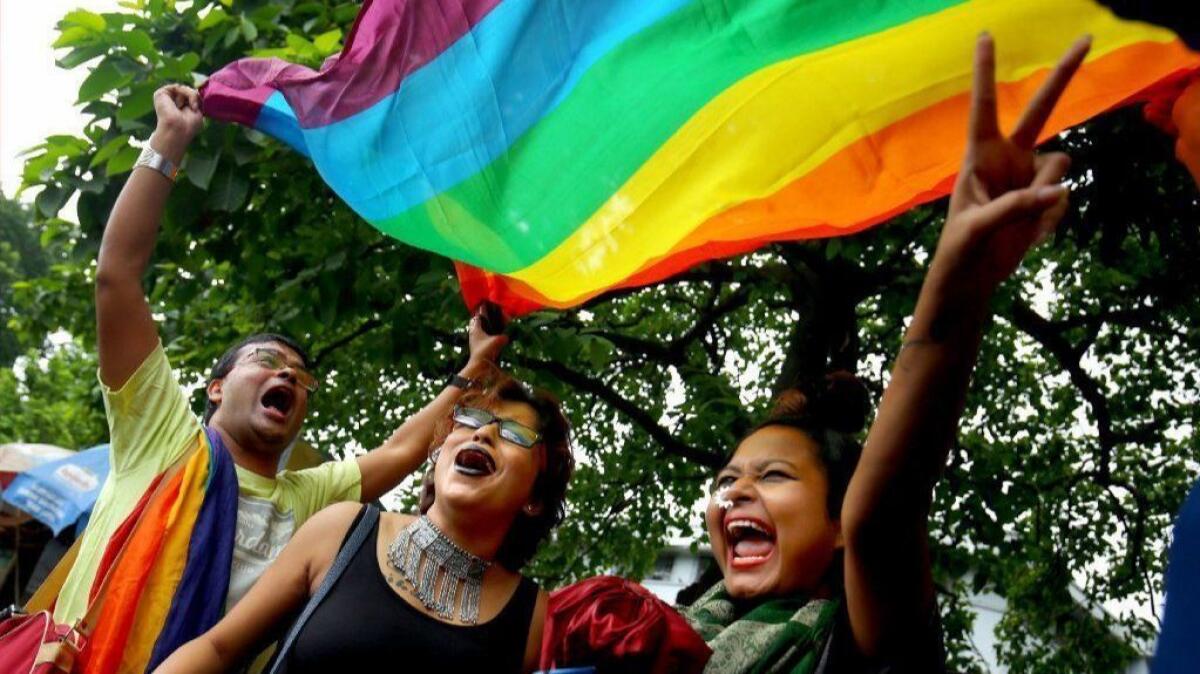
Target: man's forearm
(132,228)
(125,329)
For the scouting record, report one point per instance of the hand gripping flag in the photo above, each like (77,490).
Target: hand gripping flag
(558,149)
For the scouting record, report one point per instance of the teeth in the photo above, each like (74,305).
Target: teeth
(745,524)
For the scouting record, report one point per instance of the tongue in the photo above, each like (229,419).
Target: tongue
(753,548)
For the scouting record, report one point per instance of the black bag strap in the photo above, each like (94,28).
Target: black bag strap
(365,525)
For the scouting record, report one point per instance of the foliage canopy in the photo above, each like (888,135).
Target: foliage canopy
(1081,433)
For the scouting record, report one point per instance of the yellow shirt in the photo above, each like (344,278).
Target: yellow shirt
(150,427)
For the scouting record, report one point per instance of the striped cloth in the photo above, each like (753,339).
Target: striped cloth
(168,565)
(558,149)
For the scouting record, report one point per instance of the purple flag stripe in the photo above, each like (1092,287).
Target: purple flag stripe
(389,41)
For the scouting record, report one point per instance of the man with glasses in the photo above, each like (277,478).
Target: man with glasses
(258,394)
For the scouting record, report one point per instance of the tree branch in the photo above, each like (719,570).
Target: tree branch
(665,439)
(340,342)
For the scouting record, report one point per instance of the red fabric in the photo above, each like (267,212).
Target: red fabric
(102,653)
(1176,110)
(1186,116)
(34,644)
(616,625)
(117,541)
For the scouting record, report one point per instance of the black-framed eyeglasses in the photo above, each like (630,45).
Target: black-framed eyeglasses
(273,360)
(512,431)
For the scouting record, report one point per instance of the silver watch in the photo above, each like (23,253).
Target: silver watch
(153,160)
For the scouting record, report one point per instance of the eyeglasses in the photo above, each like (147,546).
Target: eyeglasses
(273,360)
(518,434)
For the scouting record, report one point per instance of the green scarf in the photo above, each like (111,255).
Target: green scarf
(776,635)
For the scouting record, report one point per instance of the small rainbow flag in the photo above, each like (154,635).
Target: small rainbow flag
(167,566)
(558,149)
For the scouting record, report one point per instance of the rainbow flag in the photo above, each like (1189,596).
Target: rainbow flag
(167,566)
(558,149)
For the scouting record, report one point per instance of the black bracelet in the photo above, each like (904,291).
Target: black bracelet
(459,381)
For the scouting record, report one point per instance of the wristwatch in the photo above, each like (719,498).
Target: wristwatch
(459,381)
(153,160)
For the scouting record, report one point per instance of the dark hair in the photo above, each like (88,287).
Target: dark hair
(832,413)
(550,487)
(227,360)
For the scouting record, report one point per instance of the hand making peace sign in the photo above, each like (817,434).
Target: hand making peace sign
(1006,197)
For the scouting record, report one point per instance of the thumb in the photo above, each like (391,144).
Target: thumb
(1017,206)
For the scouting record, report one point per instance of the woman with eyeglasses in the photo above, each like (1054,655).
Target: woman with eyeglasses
(438,591)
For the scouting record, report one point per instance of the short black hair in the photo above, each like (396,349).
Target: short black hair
(227,360)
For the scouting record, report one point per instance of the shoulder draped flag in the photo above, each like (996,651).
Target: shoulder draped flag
(165,572)
(558,149)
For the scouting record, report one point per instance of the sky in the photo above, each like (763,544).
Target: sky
(36,97)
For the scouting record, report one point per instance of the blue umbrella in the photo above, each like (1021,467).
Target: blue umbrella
(57,493)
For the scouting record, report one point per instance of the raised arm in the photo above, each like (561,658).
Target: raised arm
(384,467)
(1005,200)
(125,331)
(278,595)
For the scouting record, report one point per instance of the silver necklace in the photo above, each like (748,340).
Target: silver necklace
(420,552)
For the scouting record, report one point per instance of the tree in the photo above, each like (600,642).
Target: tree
(1072,459)
(21,257)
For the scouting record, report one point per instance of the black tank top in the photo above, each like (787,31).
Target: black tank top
(364,626)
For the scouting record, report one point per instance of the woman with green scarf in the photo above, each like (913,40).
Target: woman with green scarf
(825,554)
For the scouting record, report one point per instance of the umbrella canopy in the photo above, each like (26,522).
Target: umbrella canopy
(58,492)
(17,457)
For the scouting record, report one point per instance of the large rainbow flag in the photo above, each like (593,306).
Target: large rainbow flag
(561,148)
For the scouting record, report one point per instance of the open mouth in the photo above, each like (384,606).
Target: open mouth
(751,541)
(474,462)
(278,401)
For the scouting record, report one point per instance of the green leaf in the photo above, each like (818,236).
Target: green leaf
(228,190)
(122,161)
(138,43)
(266,14)
(73,36)
(249,30)
(309,9)
(51,199)
(199,169)
(327,43)
(180,69)
(90,210)
(274,52)
(108,150)
(303,48)
(81,55)
(346,12)
(38,169)
(215,17)
(103,79)
(139,102)
(232,36)
(85,19)
(64,145)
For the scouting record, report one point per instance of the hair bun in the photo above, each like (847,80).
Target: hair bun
(790,403)
(843,402)
(839,402)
